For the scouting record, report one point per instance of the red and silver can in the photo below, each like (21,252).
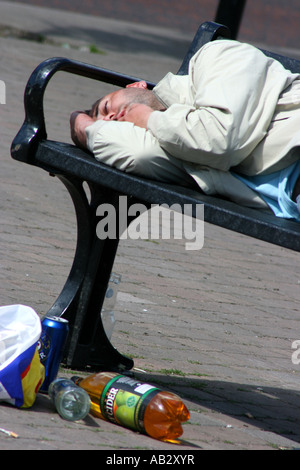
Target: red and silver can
(51,347)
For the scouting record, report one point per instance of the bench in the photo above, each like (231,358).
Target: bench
(81,298)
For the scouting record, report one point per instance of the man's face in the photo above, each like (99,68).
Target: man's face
(112,106)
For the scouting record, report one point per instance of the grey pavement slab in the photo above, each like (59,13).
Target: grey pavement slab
(215,325)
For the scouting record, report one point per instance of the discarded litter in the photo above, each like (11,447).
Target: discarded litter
(9,433)
(120,399)
(71,402)
(107,312)
(135,405)
(21,372)
(51,347)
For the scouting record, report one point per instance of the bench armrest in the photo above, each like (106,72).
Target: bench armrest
(34,128)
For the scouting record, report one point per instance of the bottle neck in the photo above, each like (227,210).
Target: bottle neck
(76,379)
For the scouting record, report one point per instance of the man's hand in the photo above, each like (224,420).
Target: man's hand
(79,120)
(136,113)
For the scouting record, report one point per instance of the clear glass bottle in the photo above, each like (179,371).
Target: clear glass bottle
(135,405)
(107,312)
(71,402)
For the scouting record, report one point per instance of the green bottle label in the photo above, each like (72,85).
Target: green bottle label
(124,402)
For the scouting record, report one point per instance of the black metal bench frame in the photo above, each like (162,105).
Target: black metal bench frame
(82,295)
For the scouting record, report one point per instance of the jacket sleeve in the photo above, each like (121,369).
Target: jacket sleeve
(232,95)
(117,144)
(134,150)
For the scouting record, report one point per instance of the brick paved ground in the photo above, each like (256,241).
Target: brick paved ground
(216,326)
(270,22)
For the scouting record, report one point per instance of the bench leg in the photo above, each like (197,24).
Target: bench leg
(81,299)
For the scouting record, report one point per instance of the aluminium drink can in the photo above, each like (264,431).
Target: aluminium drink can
(51,347)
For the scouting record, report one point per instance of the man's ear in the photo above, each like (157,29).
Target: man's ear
(141,84)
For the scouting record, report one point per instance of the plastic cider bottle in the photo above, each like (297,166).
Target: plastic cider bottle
(135,405)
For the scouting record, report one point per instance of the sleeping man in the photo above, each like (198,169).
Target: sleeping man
(230,127)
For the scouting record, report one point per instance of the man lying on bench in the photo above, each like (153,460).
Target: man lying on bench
(231,126)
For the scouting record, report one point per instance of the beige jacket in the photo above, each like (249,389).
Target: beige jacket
(236,110)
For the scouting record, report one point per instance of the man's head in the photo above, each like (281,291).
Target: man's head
(114,105)
(134,103)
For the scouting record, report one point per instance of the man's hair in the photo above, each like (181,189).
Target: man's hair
(93,111)
(143,96)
